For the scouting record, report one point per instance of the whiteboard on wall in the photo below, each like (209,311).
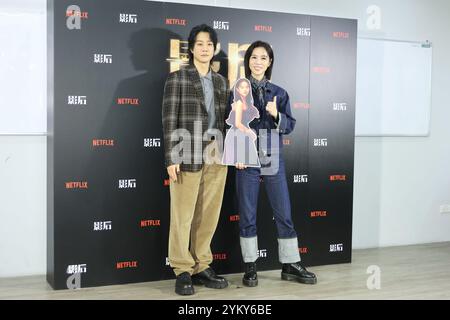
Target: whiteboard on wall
(393,88)
(23,69)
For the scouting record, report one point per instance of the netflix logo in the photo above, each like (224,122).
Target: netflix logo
(315,214)
(128,101)
(74,15)
(301,105)
(74,11)
(338,177)
(320,69)
(303,250)
(175,21)
(341,35)
(126,264)
(103,143)
(220,256)
(150,223)
(77,185)
(261,28)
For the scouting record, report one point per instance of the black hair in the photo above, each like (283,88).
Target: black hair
(237,96)
(248,53)
(193,35)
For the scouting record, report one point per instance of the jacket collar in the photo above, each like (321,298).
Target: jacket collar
(197,83)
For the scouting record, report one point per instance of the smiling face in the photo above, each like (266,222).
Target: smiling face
(243,88)
(259,62)
(203,50)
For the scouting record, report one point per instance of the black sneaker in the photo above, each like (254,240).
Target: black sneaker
(295,271)
(250,278)
(183,284)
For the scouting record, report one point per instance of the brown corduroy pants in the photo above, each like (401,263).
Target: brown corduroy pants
(195,203)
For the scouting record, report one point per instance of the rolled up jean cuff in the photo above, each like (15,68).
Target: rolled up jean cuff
(249,249)
(288,250)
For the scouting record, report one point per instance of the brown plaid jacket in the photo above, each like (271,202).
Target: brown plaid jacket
(183,106)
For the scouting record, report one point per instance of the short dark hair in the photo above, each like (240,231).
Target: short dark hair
(193,35)
(248,53)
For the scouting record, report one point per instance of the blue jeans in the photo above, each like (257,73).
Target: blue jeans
(247,187)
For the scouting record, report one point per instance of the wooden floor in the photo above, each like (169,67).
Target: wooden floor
(407,272)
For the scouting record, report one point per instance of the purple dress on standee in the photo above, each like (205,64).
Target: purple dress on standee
(239,147)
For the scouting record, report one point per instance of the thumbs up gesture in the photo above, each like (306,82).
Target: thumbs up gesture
(272,107)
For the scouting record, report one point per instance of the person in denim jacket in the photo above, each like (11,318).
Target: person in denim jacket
(275,120)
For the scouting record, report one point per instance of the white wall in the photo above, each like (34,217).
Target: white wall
(23,168)
(399,182)
(23,176)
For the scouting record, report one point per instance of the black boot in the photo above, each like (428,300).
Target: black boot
(183,284)
(250,278)
(209,279)
(295,271)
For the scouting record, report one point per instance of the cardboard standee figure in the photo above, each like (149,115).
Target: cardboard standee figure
(240,140)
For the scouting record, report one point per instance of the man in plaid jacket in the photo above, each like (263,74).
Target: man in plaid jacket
(193,112)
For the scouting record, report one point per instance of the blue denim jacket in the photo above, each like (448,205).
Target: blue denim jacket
(286,122)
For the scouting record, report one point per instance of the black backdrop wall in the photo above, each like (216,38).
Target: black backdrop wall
(108,199)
